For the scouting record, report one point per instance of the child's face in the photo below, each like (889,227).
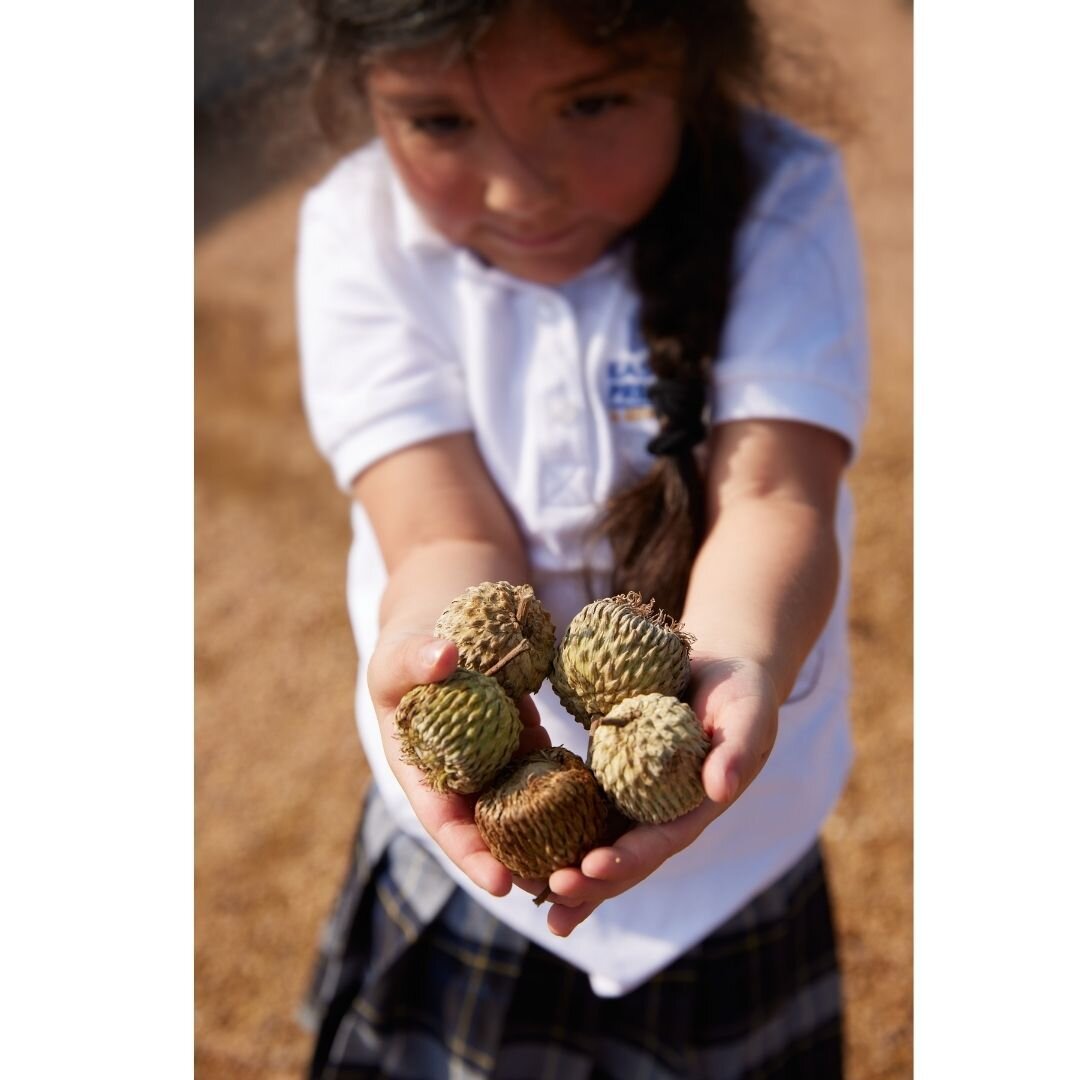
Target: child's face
(537,152)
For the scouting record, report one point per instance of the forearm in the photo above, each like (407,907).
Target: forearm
(430,575)
(763,585)
(442,527)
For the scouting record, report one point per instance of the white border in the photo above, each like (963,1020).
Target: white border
(96,558)
(997,539)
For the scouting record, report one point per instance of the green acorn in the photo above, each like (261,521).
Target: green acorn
(619,648)
(647,754)
(459,732)
(544,811)
(501,630)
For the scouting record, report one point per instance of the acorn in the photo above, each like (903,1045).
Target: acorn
(647,754)
(460,732)
(501,630)
(619,648)
(544,811)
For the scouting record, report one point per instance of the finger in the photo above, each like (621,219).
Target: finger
(462,842)
(723,775)
(527,710)
(640,851)
(562,921)
(448,818)
(532,739)
(575,888)
(740,750)
(537,887)
(743,734)
(407,662)
(533,886)
(484,870)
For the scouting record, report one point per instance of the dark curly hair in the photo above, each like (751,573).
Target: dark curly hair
(682,250)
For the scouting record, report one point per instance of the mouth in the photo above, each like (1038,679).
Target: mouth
(535,241)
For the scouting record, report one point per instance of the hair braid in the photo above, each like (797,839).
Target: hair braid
(682,268)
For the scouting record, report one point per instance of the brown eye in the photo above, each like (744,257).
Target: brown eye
(440,125)
(594,105)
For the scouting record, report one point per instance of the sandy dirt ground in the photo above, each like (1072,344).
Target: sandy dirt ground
(279,772)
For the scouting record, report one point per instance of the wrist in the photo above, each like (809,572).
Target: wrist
(739,675)
(422,586)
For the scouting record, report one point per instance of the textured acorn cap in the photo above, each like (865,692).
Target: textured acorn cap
(543,812)
(619,648)
(647,755)
(459,732)
(489,622)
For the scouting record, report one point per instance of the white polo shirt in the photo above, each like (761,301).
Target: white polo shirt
(404,337)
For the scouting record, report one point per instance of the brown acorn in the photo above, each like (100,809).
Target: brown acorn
(501,630)
(619,648)
(647,755)
(544,811)
(459,732)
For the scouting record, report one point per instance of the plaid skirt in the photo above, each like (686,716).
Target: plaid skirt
(416,981)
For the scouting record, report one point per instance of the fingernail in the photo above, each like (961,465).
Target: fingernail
(732,785)
(430,653)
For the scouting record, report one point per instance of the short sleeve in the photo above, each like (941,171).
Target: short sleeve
(795,343)
(374,379)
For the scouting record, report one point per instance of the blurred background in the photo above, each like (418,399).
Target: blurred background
(279,771)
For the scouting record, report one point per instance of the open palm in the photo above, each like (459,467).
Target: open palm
(737,704)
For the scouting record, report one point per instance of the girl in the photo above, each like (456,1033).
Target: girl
(582,317)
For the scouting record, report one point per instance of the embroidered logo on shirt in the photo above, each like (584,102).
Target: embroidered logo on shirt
(628,379)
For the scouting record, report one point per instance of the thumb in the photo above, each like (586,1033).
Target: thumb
(400,663)
(739,753)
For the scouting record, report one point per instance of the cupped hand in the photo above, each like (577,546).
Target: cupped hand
(398,663)
(736,702)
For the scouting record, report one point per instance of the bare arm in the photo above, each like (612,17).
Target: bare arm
(760,592)
(442,527)
(765,579)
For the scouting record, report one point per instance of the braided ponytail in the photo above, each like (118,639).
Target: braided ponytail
(683,271)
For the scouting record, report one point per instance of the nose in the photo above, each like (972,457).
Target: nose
(519,188)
